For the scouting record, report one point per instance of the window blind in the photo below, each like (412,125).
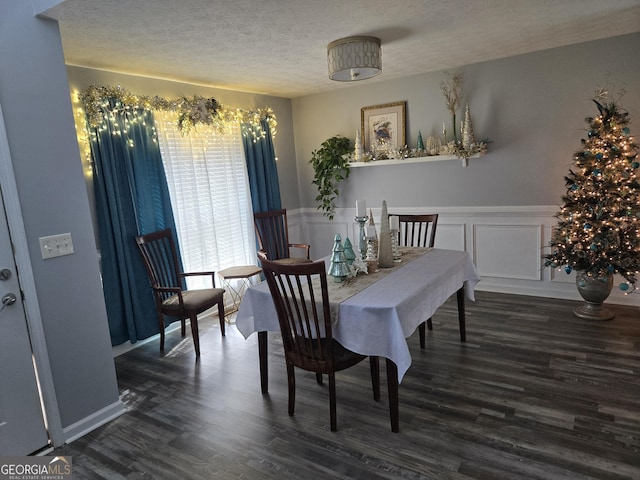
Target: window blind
(209,189)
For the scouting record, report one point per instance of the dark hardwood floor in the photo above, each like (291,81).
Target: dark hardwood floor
(534,393)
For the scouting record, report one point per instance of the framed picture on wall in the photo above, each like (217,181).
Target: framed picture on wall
(383,126)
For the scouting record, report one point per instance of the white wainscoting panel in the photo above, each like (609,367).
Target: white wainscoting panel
(507,244)
(508,251)
(561,276)
(323,232)
(296,228)
(451,236)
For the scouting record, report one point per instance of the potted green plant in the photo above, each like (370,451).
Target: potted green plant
(330,165)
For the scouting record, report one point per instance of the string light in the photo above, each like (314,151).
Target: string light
(192,112)
(598,230)
(100,107)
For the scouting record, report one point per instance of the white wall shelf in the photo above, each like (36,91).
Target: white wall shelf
(430,158)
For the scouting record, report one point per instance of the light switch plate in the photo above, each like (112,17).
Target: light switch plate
(56,245)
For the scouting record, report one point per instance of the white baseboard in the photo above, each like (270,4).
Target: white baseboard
(93,421)
(128,346)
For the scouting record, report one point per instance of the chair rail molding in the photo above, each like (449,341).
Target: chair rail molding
(506,243)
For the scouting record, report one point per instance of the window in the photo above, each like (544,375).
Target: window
(209,189)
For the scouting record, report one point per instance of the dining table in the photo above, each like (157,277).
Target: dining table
(374,313)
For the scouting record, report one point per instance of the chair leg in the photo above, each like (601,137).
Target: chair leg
(429,324)
(183,327)
(319,378)
(375,377)
(161,325)
(332,401)
(195,333)
(221,315)
(291,382)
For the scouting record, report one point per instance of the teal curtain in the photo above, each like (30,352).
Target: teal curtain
(132,198)
(261,167)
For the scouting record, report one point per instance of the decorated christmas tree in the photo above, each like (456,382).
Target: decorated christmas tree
(598,229)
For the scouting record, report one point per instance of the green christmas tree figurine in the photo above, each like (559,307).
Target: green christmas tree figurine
(338,268)
(349,254)
(598,231)
(420,142)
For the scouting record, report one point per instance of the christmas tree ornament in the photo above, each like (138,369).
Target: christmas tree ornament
(385,254)
(468,137)
(372,244)
(338,268)
(393,232)
(349,254)
(357,148)
(433,145)
(395,248)
(420,143)
(372,255)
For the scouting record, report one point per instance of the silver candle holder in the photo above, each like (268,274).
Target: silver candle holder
(362,245)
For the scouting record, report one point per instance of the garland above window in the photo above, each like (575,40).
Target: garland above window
(191,111)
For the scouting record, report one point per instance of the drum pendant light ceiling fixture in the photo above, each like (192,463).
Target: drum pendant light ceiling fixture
(354,58)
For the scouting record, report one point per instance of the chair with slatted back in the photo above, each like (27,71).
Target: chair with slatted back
(305,323)
(273,237)
(418,231)
(160,258)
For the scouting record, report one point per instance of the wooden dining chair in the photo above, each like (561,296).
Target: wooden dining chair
(160,258)
(273,237)
(305,324)
(418,231)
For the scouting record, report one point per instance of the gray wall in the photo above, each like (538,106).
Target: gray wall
(39,123)
(81,78)
(532,107)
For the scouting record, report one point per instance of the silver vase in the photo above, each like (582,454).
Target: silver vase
(595,290)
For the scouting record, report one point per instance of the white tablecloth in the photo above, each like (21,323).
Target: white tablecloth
(378,320)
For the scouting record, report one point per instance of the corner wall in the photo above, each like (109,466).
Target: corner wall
(53,199)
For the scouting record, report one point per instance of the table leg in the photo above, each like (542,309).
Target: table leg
(264,368)
(392,386)
(461,315)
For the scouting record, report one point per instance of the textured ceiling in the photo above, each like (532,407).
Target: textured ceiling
(278,47)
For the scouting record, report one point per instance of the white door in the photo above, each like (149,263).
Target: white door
(22,426)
